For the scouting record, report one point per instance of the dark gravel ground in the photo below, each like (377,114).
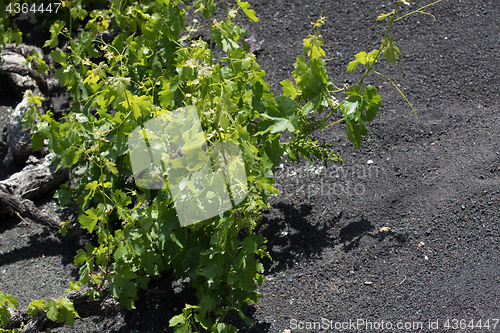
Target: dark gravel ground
(434,181)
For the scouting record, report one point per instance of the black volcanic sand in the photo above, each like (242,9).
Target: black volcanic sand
(432,182)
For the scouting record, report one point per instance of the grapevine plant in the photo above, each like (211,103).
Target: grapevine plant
(153,67)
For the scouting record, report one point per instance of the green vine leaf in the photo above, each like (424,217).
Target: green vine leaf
(52,309)
(212,265)
(313,46)
(139,105)
(244,271)
(208,8)
(283,116)
(352,108)
(168,91)
(118,85)
(6,301)
(35,307)
(372,100)
(89,219)
(289,89)
(181,322)
(390,50)
(355,131)
(55,30)
(362,58)
(250,13)
(224,328)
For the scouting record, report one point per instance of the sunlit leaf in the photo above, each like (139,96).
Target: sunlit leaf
(390,49)
(250,13)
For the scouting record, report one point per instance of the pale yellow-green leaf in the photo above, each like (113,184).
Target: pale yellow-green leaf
(250,13)
(313,44)
(383,16)
(289,89)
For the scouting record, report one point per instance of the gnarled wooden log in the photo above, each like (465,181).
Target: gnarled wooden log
(33,181)
(18,139)
(22,76)
(28,209)
(24,70)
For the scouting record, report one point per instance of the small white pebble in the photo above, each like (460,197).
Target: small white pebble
(369,162)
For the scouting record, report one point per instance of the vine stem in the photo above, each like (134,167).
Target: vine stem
(369,69)
(395,86)
(104,202)
(419,11)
